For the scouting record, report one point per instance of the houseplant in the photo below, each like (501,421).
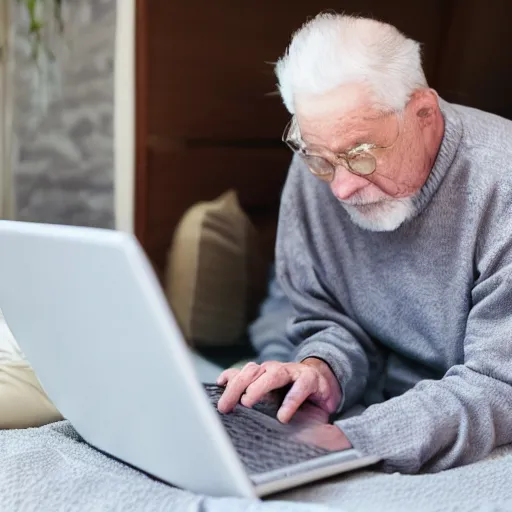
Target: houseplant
(37,11)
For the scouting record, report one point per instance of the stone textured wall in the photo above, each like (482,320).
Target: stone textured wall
(63,166)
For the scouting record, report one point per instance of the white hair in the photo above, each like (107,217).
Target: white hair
(333,50)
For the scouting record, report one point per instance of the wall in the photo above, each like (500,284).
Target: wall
(6,196)
(64,170)
(124,115)
(476,68)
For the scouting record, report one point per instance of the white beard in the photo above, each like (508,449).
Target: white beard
(384,215)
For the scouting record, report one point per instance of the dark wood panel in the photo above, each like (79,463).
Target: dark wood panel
(141,126)
(209,62)
(475,67)
(178,179)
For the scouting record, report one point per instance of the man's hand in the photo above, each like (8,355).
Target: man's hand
(312,427)
(311,380)
(326,436)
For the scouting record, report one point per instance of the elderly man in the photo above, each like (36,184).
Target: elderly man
(395,250)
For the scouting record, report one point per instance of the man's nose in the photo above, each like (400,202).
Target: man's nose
(346,184)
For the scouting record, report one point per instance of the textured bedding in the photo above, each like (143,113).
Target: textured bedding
(51,469)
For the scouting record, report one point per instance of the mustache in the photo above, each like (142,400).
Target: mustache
(360,200)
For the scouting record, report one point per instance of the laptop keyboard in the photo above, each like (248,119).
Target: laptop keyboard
(262,442)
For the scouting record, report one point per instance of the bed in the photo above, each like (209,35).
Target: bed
(50,469)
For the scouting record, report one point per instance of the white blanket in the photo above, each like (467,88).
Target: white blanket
(51,469)
(483,486)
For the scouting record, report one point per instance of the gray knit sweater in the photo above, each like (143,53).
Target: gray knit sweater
(415,323)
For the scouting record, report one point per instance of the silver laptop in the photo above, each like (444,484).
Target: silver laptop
(87,310)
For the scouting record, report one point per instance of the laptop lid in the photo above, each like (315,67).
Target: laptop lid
(87,310)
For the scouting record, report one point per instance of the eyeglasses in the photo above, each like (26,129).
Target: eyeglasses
(322,162)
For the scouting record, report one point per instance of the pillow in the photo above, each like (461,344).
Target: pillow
(23,401)
(215,272)
(9,349)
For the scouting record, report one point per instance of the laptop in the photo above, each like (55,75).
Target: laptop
(87,310)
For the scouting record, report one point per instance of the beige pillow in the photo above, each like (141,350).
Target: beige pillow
(215,272)
(23,401)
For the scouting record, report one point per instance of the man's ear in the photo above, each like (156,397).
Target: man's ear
(424,103)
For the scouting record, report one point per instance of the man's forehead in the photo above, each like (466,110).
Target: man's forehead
(348,110)
(350,102)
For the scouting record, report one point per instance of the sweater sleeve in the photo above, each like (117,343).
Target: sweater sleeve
(462,417)
(268,332)
(318,326)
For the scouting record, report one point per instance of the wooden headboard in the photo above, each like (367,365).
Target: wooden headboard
(208,118)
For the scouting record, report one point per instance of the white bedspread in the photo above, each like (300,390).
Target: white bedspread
(51,469)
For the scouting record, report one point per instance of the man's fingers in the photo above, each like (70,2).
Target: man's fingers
(298,394)
(227,375)
(275,377)
(237,385)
